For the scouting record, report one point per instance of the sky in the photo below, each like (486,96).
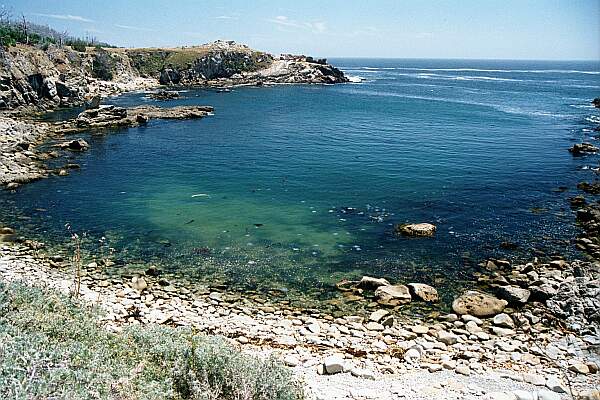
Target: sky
(476,29)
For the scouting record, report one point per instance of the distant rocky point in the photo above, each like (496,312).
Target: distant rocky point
(63,76)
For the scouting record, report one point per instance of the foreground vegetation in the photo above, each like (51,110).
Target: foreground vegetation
(52,346)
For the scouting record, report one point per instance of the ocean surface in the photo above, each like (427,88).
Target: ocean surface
(297,187)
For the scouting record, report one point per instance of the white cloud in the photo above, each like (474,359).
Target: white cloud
(233,17)
(318,27)
(135,28)
(67,17)
(315,27)
(285,21)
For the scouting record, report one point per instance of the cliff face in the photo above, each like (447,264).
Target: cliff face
(63,76)
(58,76)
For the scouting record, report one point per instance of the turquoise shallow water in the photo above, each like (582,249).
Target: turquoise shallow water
(300,186)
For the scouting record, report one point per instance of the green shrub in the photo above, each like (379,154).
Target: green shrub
(103,65)
(78,46)
(54,347)
(215,370)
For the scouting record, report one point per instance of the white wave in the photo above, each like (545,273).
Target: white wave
(583,86)
(361,71)
(581,106)
(593,118)
(532,71)
(497,107)
(354,78)
(463,78)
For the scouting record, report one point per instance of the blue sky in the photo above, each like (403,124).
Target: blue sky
(513,29)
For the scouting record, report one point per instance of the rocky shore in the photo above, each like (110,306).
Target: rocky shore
(22,162)
(19,162)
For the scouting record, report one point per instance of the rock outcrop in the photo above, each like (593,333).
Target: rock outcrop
(111,116)
(45,79)
(18,162)
(61,76)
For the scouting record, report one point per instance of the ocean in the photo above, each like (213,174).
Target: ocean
(297,187)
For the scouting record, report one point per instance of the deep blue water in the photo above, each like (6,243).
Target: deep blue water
(300,186)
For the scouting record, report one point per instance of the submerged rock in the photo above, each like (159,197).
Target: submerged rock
(478,304)
(421,229)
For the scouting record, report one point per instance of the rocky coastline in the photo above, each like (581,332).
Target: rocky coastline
(33,79)
(533,327)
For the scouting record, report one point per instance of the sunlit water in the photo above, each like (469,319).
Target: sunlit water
(300,186)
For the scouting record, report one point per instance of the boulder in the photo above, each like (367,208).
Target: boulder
(75,145)
(504,321)
(378,315)
(478,304)
(423,292)
(333,364)
(392,295)
(49,88)
(138,283)
(513,294)
(169,76)
(416,230)
(63,90)
(447,338)
(370,283)
(596,102)
(92,103)
(543,292)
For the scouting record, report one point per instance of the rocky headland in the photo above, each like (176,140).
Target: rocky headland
(36,79)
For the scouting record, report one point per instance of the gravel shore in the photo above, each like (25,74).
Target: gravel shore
(341,358)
